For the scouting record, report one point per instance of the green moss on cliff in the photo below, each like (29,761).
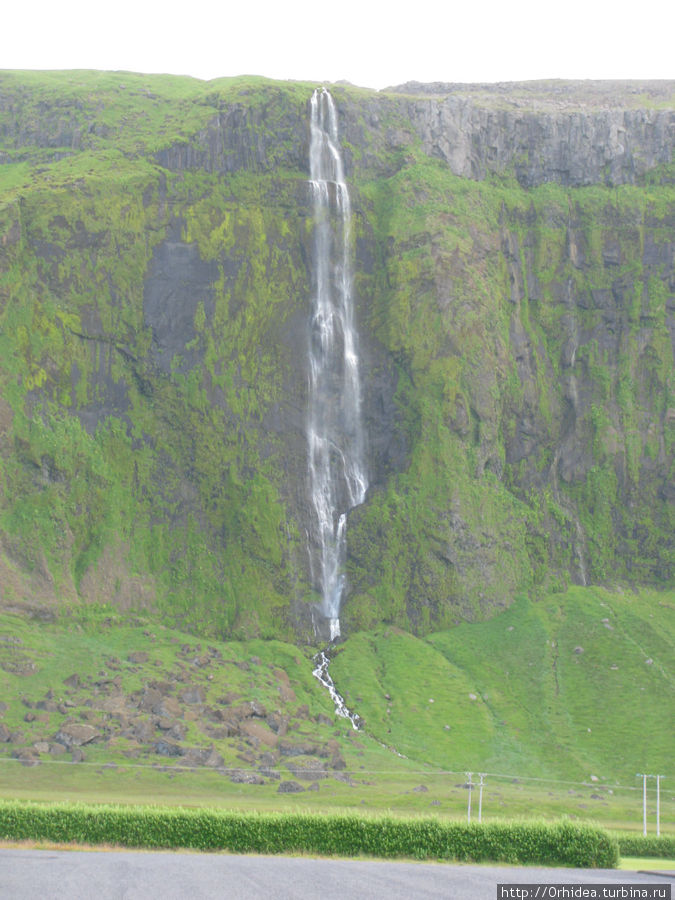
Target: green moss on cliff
(155,238)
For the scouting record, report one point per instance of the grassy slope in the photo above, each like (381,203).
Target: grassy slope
(516,727)
(512,695)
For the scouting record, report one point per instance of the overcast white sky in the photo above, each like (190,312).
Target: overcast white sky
(367,42)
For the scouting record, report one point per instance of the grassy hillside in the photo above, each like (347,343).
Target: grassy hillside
(154,715)
(575,684)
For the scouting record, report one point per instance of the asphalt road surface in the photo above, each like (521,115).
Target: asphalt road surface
(95,875)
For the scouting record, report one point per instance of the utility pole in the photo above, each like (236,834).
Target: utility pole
(644,778)
(468,811)
(658,804)
(480,797)
(644,801)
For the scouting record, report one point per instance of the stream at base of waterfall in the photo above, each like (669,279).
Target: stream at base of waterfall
(335,440)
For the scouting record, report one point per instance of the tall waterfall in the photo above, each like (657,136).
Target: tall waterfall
(337,474)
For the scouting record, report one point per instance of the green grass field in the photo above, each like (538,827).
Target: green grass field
(509,697)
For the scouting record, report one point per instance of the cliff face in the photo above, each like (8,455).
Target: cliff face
(514,269)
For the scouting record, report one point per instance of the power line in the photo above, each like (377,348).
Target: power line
(352,773)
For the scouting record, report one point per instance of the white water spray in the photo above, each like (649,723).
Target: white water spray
(337,474)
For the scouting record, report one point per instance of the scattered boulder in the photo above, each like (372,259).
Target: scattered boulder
(138,656)
(143,730)
(76,735)
(313,786)
(27,756)
(72,681)
(193,694)
(301,748)
(420,789)
(41,746)
(77,755)
(167,748)
(240,776)
(289,787)
(4,734)
(286,692)
(196,756)
(578,650)
(259,732)
(150,699)
(168,707)
(277,723)
(308,771)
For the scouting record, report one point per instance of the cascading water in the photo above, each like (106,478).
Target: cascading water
(337,474)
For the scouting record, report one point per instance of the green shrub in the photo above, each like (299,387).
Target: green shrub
(649,846)
(565,844)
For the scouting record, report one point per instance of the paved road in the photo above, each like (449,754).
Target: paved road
(57,875)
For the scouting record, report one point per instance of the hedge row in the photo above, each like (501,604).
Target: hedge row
(563,844)
(649,846)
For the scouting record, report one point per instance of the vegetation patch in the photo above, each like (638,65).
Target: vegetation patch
(563,844)
(640,845)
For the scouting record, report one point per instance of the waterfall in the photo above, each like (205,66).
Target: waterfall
(337,474)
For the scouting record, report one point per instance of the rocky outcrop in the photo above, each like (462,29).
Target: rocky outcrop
(571,133)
